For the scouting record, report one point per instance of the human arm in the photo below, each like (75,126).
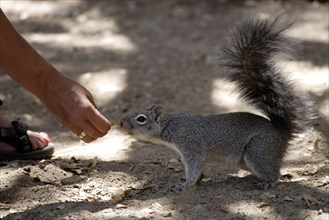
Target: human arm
(67,100)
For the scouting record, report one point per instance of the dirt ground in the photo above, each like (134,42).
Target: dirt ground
(131,54)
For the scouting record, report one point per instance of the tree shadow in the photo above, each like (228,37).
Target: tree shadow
(51,211)
(216,197)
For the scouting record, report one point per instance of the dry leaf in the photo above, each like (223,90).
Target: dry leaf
(71,180)
(117,199)
(206,179)
(60,207)
(137,186)
(310,170)
(310,200)
(299,179)
(92,198)
(317,144)
(147,210)
(323,182)
(131,168)
(287,175)
(262,204)
(78,171)
(67,166)
(267,196)
(76,166)
(288,199)
(49,174)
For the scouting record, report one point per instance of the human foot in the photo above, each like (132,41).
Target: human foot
(25,145)
(38,139)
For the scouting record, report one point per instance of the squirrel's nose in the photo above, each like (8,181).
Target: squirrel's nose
(125,124)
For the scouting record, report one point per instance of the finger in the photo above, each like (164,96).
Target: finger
(87,139)
(99,122)
(91,130)
(84,136)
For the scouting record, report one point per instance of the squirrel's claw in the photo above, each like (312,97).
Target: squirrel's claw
(263,186)
(178,188)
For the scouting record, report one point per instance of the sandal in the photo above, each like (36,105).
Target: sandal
(18,138)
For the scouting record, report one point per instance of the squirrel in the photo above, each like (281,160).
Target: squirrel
(251,142)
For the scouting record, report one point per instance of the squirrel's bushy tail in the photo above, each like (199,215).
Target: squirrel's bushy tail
(248,62)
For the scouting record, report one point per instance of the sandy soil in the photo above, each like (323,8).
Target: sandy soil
(130,55)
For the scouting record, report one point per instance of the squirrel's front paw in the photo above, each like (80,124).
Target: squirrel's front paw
(181,187)
(178,188)
(263,186)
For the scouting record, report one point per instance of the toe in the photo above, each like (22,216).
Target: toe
(38,140)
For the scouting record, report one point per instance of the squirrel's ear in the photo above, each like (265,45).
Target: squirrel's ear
(156,111)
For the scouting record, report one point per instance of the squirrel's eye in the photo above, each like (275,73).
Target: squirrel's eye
(140,119)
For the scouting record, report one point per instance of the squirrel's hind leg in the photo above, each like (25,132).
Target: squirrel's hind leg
(261,159)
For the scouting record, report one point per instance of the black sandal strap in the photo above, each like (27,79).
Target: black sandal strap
(17,136)
(6,133)
(21,131)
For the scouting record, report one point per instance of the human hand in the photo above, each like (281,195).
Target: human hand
(68,101)
(74,107)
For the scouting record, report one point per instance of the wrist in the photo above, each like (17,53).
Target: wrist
(49,81)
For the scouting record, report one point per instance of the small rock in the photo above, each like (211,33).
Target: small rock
(137,186)
(173,160)
(60,207)
(121,206)
(166,214)
(156,205)
(106,198)
(147,210)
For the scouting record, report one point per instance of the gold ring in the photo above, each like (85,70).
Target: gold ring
(82,135)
